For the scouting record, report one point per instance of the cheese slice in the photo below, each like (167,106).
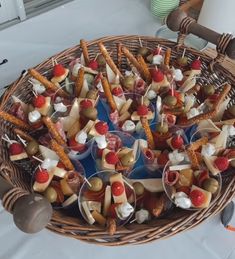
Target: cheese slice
(151,184)
(84,90)
(118,178)
(209,161)
(41,187)
(46,107)
(107,200)
(179,167)
(70,200)
(59,172)
(87,212)
(119,102)
(222,108)
(74,112)
(104,164)
(220,141)
(207,194)
(126,106)
(136,117)
(112,77)
(18,157)
(208,126)
(94,205)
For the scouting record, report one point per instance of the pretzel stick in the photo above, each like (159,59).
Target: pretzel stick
(132,59)
(198,143)
(193,158)
(62,155)
(108,59)
(167,57)
(24,135)
(14,120)
(83,45)
(52,129)
(119,55)
(79,81)
(145,69)
(108,94)
(49,85)
(148,133)
(111,226)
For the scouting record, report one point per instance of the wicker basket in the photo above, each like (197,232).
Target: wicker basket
(73,226)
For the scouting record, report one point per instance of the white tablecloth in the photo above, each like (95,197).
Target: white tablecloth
(28,43)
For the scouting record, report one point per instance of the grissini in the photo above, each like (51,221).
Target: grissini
(62,155)
(148,133)
(48,84)
(108,94)
(79,81)
(17,122)
(145,70)
(85,52)
(23,134)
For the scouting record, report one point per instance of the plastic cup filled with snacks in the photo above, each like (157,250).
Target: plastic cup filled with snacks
(107,197)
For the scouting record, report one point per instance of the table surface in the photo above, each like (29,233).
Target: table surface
(28,43)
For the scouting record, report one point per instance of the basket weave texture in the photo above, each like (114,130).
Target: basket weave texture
(73,226)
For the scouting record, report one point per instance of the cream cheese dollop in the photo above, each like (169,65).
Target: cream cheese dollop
(101,142)
(142,216)
(124,210)
(48,164)
(182,200)
(208,150)
(192,113)
(99,86)
(128,125)
(76,68)
(60,107)
(175,157)
(157,59)
(81,137)
(34,116)
(177,74)
(151,94)
(38,88)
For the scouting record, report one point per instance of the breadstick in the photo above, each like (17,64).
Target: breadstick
(148,133)
(146,73)
(111,226)
(193,158)
(132,59)
(79,81)
(109,60)
(85,51)
(62,155)
(14,120)
(49,85)
(198,143)
(108,94)
(24,135)
(167,57)
(119,55)
(52,129)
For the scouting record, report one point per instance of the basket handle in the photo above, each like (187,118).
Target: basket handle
(31,212)
(178,20)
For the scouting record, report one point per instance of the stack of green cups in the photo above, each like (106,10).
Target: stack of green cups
(161,8)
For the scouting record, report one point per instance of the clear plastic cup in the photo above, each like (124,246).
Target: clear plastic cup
(55,183)
(99,196)
(170,190)
(122,139)
(137,98)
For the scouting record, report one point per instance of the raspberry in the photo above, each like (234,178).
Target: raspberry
(196,64)
(111,158)
(39,101)
(84,104)
(177,142)
(157,76)
(101,127)
(117,91)
(58,70)
(117,188)
(197,198)
(93,64)
(16,149)
(142,110)
(41,176)
(221,163)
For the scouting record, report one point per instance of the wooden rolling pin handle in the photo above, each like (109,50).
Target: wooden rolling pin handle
(31,212)
(174,21)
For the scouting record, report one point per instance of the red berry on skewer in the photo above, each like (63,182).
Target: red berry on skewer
(197,198)
(222,163)
(117,91)
(117,188)
(142,110)
(196,64)
(74,145)
(111,158)
(16,149)
(58,70)
(84,104)
(41,176)
(39,101)
(93,64)
(177,142)
(157,75)
(101,127)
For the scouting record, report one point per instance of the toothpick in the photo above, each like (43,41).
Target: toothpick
(21,140)
(162,120)
(87,182)
(141,44)
(172,90)
(142,100)
(56,63)
(34,93)
(133,220)
(159,50)
(52,61)
(183,53)
(6,140)
(6,136)
(40,168)
(96,56)
(38,159)
(231,159)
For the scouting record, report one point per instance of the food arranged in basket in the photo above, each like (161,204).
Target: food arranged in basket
(159,104)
